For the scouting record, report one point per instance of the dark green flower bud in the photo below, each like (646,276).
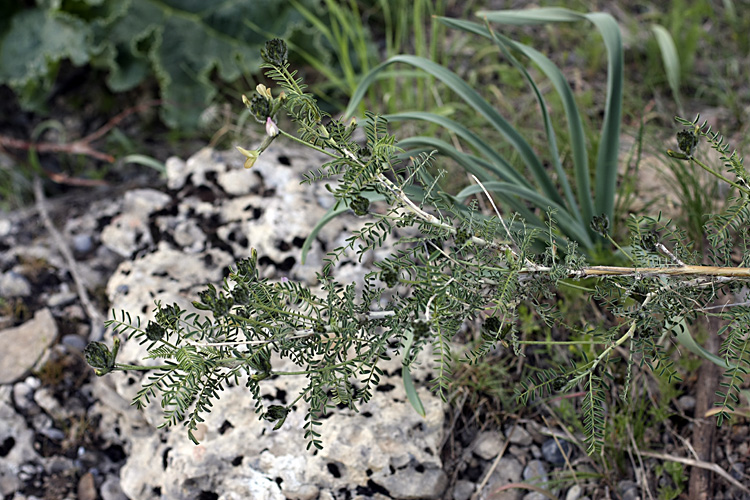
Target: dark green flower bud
(600,224)
(275,52)
(462,237)
(558,384)
(99,357)
(260,108)
(154,331)
(359,205)
(389,277)
(649,241)
(687,141)
(420,327)
(276,414)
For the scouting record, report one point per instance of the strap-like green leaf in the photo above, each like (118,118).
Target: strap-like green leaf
(476,101)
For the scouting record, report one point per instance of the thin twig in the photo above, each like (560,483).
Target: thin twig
(640,461)
(95,318)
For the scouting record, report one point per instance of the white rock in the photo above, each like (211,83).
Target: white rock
(13,284)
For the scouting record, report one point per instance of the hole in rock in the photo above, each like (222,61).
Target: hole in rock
(371,489)
(165,458)
(279,481)
(283,246)
(333,469)
(225,427)
(419,468)
(156,490)
(7,445)
(385,388)
(298,242)
(237,460)
(366,414)
(284,160)
(115,452)
(207,495)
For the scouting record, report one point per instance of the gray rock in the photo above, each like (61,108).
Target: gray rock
(24,345)
(412,483)
(110,489)
(555,453)
(463,489)
(518,435)
(13,284)
(62,299)
(129,231)
(686,403)
(508,470)
(5,227)
(628,490)
(574,493)
(488,444)
(75,342)
(535,472)
(82,243)
(535,495)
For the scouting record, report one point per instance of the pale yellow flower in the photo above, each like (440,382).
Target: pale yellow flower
(250,155)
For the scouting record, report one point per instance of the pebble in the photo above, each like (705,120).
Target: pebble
(24,345)
(61,299)
(534,495)
(737,471)
(82,243)
(535,472)
(463,489)
(574,493)
(13,284)
(23,397)
(74,341)
(553,453)
(518,435)
(686,403)
(488,445)
(5,227)
(628,490)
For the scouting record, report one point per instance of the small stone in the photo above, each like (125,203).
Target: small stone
(61,299)
(23,397)
(535,472)
(737,471)
(74,341)
(628,490)
(686,403)
(463,489)
(534,495)
(554,453)
(82,243)
(508,470)
(574,493)
(24,345)
(408,483)
(13,284)
(488,445)
(518,435)
(5,227)
(110,489)
(87,487)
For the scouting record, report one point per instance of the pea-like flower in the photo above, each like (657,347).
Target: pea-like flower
(250,155)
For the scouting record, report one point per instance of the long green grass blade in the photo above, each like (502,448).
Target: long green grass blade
(609,145)
(500,166)
(575,124)
(671,59)
(476,101)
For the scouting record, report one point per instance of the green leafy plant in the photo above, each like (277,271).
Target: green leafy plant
(456,268)
(181,43)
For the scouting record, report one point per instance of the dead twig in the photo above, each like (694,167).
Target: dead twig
(95,318)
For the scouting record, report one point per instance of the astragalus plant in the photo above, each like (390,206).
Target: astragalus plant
(458,267)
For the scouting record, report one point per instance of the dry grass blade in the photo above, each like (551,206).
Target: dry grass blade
(701,464)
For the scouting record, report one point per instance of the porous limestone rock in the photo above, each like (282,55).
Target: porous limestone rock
(225,210)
